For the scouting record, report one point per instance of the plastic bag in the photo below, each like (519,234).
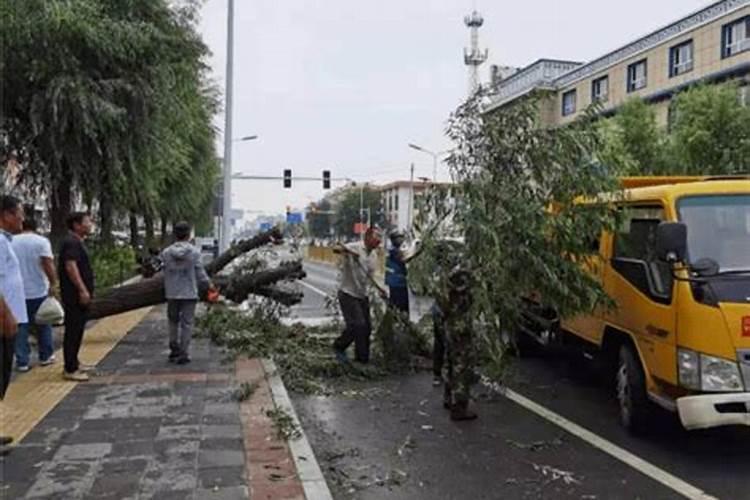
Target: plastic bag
(50,312)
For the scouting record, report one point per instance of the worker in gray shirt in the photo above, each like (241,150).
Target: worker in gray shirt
(184,275)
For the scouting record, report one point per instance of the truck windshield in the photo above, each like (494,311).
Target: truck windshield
(718,229)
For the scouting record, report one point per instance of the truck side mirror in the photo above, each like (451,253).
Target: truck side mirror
(671,241)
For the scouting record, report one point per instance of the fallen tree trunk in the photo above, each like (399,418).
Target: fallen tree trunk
(237,288)
(149,292)
(242,247)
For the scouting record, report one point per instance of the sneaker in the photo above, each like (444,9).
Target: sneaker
(23,368)
(47,361)
(86,368)
(183,361)
(78,376)
(174,356)
(437,381)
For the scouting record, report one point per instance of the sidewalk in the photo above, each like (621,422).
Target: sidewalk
(145,428)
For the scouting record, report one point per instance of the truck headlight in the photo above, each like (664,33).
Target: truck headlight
(720,375)
(688,364)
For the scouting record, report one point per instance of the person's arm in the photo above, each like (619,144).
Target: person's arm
(71,268)
(200,273)
(340,248)
(8,324)
(48,266)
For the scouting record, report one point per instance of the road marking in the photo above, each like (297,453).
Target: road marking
(316,290)
(308,470)
(676,484)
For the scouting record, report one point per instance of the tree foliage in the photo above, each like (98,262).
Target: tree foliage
(348,209)
(107,100)
(710,133)
(634,144)
(515,209)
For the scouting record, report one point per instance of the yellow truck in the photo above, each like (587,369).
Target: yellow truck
(679,272)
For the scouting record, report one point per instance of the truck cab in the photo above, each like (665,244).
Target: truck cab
(679,272)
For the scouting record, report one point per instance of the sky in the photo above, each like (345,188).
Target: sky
(345,85)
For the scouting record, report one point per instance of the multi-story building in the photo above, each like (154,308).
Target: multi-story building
(401,201)
(710,45)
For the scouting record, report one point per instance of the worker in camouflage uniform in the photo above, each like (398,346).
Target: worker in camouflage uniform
(458,369)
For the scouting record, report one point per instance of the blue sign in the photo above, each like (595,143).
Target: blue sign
(294,218)
(265,226)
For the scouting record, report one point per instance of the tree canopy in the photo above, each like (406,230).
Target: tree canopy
(106,102)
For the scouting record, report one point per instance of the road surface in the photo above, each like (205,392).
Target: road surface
(391,439)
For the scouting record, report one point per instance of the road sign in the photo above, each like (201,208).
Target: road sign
(294,218)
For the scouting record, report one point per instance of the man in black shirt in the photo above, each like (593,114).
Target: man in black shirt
(76,290)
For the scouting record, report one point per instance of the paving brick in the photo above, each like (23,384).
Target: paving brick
(220,458)
(92,451)
(124,449)
(220,431)
(160,480)
(233,493)
(63,480)
(221,477)
(181,432)
(275,490)
(236,444)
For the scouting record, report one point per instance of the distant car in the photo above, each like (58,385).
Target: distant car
(209,248)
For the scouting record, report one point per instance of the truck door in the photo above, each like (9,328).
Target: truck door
(643,288)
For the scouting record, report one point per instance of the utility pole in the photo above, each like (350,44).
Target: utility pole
(226,212)
(411,198)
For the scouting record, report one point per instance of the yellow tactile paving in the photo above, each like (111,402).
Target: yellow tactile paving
(34,394)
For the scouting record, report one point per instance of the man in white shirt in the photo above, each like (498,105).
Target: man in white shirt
(34,254)
(11,289)
(358,264)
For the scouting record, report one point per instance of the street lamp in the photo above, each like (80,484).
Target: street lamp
(227,167)
(434,158)
(246,138)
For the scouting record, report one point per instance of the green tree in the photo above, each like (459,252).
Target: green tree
(634,144)
(348,210)
(106,100)
(319,219)
(711,131)
(515,207)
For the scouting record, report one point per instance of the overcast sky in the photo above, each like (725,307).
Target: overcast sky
(344,85)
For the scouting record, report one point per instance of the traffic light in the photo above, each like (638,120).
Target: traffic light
(288,178)
(326,179)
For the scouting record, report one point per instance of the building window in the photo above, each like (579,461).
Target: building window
(681,59)
(569,102)
(637,75)
(735,37)
(395,202)
(600,89)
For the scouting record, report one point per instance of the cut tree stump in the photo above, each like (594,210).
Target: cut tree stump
(150,291)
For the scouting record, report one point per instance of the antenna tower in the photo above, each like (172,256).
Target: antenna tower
(474,57)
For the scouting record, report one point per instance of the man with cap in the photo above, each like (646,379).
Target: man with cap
(396,274)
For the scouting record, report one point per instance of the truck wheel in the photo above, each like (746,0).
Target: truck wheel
(635,407)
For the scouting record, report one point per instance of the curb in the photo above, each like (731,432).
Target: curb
(308,470)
